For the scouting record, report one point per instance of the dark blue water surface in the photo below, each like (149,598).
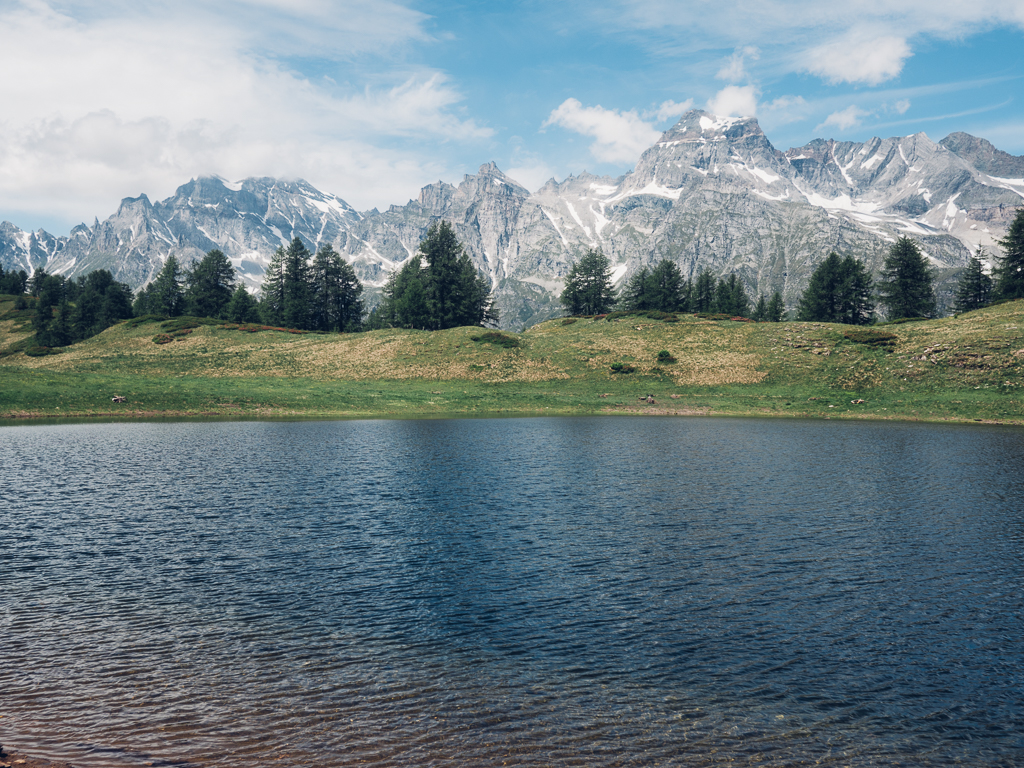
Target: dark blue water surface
(595,592)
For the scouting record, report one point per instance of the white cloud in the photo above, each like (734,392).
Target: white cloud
(735,69)
(858,57)
(845,119)
(902,106)
(114,99)
(668,110)
(620,137)
(735,101)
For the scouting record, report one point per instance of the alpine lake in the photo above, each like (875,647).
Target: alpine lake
(530,591)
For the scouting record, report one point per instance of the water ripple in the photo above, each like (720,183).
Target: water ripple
(600,592)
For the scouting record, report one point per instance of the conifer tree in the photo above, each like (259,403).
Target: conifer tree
(974,290)
(636,295)
(760,312)
(164,295)
(703,297)
(336,293)
(731,297)
(242,308)
(1009,273)
(588,286)
(776,308)
(839,291)
(905,287)
(211,283)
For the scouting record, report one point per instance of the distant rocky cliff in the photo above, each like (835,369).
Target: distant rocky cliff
(712,192)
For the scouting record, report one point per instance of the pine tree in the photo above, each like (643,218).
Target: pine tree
(731,297)
(211,282)
(1009,273)
(760,312)
(165,296)
(703,298)
(337,303)
(295,309)
(272,293)
(636,294)
(456,293)
(974,290)
(905,287)
(670,292)
(242,308)
(588,286)
(776,309)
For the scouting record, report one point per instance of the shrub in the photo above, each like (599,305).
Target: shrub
(712,316)
(42,351)
(569,321)
(871,337)
(902,320)
(162,338)
(498,338)
(622,368)
(135,322)
(665,357)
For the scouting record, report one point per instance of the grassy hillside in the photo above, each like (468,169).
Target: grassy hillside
(966,368)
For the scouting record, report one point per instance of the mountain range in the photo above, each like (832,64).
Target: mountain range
(711,193)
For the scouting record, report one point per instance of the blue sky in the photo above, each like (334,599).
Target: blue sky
(372,100)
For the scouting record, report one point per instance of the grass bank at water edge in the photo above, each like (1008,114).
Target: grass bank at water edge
(954,369)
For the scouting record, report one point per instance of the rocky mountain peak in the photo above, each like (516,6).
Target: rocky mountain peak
(984,156)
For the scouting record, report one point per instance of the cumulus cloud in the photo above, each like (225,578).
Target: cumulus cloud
(107,99)
(735,101)
(619,137)
(668,110)
(845,119)
(858,57)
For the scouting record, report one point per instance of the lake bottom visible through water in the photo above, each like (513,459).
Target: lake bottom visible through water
(574,591)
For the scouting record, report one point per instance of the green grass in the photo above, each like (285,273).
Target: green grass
(971,370)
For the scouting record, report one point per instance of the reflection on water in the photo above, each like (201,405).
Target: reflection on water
(548,591)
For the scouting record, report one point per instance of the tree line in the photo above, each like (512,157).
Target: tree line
(840,290)
(589,291)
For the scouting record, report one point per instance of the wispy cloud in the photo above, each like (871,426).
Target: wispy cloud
(619,137)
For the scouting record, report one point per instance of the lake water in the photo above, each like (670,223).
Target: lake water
(592,592)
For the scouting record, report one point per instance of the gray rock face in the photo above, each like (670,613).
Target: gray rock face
(711,193)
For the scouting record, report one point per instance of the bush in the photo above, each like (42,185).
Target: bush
(665,357)
(569,321)
(42,351)
(135,322)
(902,320)
(712,316)
(622,368)
(871,337)
(498,338)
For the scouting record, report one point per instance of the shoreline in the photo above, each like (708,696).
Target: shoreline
(27,418)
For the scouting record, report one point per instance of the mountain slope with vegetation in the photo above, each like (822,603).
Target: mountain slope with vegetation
(963,368)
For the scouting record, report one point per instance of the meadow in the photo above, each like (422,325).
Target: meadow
(965,368)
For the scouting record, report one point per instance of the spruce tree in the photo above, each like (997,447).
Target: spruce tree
(776,308)
(211,282)
(760,313)
(670,292)
(242,308)
(456,293)
(974,290)
(165,296)
(588,286)
(703,297)
(905,287)
(731,297)
(295,309)
(1009,273)
(336,295)
(636,294)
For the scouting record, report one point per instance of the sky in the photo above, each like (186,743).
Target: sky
(372,100)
